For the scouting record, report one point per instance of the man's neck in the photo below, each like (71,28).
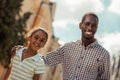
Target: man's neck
(86,42)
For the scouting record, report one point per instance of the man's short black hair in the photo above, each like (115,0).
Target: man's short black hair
(90,14)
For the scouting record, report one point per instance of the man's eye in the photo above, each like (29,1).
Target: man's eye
(94,26)
(87,24)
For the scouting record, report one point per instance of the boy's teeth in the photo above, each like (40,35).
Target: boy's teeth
(36,44)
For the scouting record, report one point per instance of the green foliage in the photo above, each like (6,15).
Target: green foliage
(12,29)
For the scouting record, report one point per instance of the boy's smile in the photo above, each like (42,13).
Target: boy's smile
(38,40)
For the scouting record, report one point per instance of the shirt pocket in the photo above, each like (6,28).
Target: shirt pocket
(93,64)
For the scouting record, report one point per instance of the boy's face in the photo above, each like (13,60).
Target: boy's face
(89,27)
(37,40)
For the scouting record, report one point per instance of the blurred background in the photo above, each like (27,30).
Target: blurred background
(61,19)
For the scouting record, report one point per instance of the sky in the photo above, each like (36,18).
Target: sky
(69,14)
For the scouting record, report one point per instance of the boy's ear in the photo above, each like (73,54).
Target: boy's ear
(43,46)
(29,38)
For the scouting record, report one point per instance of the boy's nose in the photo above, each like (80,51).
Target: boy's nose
(38,41)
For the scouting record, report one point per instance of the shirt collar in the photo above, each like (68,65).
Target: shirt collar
(35,57)
(94,43)
(90,45)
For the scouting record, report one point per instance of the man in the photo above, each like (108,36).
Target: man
(84,59)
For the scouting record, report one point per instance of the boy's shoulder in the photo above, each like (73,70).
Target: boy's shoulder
(17,49)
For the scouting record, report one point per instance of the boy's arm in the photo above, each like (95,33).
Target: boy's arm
(39,70)
(7,73)
(36,77)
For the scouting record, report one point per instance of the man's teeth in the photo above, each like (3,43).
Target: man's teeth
(88,32)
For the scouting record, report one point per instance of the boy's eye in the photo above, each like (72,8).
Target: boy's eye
(42,40)
(35,37)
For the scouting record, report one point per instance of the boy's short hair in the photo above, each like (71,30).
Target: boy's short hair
(32,31)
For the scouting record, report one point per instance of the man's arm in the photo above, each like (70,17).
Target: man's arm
(17,47)
(106,66)
(54,57)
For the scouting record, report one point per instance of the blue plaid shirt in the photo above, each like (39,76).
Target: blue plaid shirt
(81,63)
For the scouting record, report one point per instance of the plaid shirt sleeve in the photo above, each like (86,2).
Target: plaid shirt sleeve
(54,57)
(105,68)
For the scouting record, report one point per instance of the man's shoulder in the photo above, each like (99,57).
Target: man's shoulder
(103,49)
(72,43)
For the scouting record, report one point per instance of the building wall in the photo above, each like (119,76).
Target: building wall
(42,16)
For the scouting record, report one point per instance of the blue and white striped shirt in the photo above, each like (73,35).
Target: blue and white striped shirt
(25,69)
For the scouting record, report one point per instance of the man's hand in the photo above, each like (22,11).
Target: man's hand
(16,48)
(13,50)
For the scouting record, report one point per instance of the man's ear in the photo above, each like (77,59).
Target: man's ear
(80,24)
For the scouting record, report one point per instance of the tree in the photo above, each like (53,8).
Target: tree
(12,28)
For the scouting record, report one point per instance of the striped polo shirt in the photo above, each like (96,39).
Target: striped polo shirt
(25,69)
(81,63)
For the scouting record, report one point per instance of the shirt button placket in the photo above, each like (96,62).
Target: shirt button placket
(81,57)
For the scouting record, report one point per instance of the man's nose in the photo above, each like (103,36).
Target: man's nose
(90,26)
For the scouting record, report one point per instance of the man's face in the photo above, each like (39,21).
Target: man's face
(89,27)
